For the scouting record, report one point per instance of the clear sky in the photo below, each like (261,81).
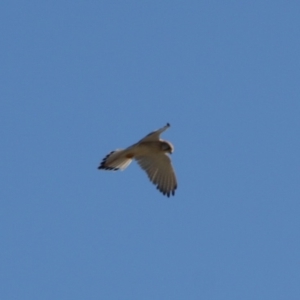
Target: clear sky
(81,78)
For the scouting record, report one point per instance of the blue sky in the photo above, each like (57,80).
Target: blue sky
(82,78)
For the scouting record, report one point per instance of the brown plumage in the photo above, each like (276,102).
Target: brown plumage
(151,153)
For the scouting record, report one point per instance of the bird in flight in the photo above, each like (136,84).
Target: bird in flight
(151,153)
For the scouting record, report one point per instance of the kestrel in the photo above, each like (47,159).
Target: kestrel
(151,153)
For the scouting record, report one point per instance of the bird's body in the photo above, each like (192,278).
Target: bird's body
(151,153)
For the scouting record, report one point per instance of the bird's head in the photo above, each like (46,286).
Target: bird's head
(167,147)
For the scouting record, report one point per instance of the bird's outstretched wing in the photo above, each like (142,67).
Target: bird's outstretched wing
(160,171)
(154,136)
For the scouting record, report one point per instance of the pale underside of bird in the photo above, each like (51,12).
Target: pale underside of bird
(151,153)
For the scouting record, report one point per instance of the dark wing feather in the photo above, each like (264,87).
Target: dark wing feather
(160,172)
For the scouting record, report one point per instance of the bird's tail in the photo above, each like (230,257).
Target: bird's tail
(116,160)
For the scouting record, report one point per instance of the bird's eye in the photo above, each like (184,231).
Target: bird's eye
(165,147)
